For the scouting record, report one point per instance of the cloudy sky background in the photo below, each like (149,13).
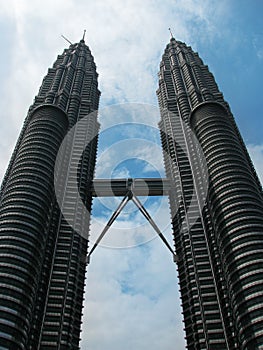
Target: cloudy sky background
(132,299)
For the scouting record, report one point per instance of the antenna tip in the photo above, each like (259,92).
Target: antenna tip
(66,39)
(84,35)
(172,37)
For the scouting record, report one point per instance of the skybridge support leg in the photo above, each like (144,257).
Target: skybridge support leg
(156,228)
(108,225)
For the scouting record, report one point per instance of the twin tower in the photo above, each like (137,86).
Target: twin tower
(216,205)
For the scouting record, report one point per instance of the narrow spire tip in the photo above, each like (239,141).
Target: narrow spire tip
(172,37)
(84,34)
(66,39)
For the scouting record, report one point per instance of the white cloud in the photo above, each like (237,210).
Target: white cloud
(132,300)
(122,173)
(257,44)
(133,148)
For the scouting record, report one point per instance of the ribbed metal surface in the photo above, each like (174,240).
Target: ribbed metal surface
(72,85)
(183,81)
(120,187)
(24,213)
(236,205)
(43,257)
(220,254)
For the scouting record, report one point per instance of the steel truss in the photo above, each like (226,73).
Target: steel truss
(131,189)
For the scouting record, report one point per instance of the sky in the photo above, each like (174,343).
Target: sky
(131,298)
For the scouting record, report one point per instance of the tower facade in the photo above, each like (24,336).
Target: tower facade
(216,207)
(42,255)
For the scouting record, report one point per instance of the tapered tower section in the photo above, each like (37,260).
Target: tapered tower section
(216,207)
(42,255)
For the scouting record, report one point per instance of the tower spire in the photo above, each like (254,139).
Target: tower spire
(84,34)
(172,37)
(66,39)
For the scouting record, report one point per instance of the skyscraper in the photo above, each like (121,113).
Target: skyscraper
(42,258)
(216,207)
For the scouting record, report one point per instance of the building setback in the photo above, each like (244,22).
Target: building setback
(42,258)
(216,207)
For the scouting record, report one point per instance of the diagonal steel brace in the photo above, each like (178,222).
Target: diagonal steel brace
(131,196)
(136,201)
(109,223)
